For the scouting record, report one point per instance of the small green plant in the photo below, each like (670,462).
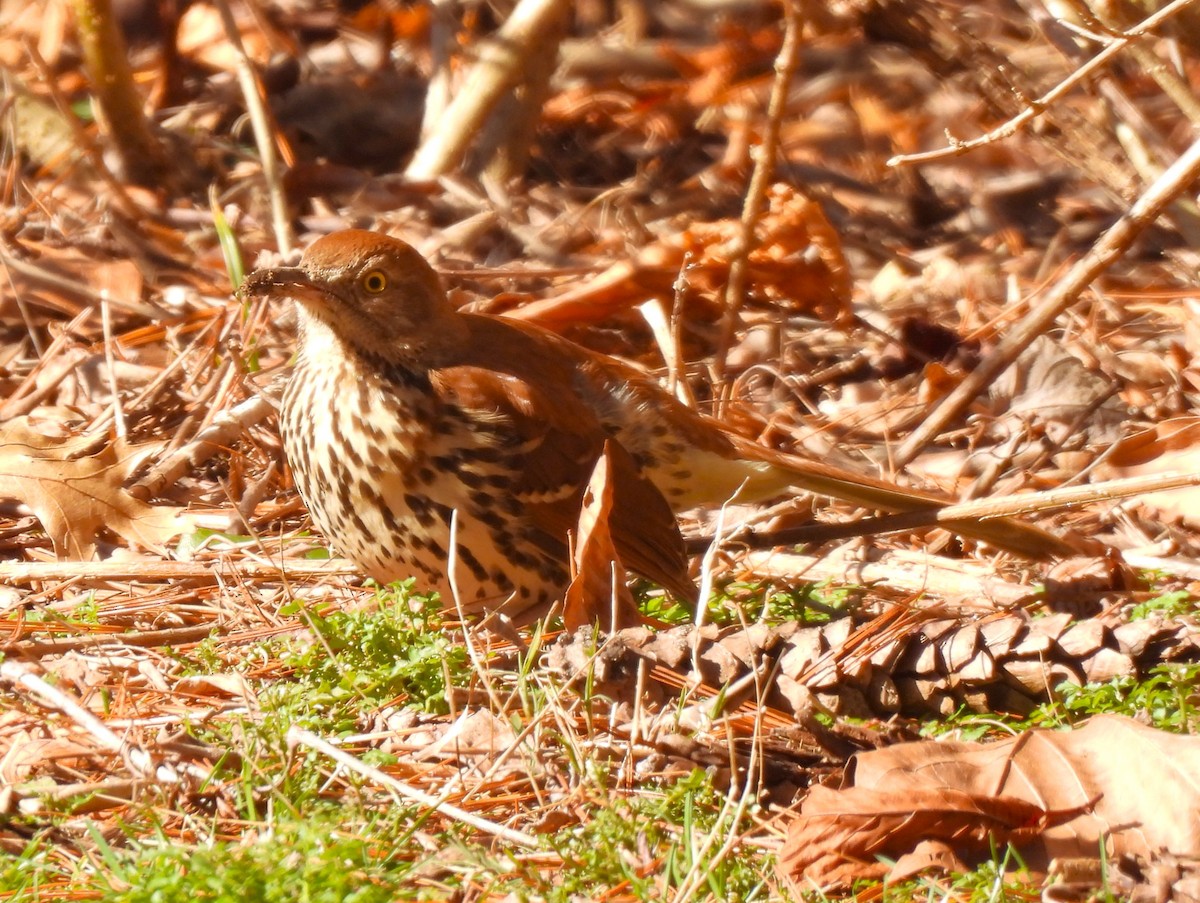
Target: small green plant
(1170,605)
(36,869)
(1002,877)
(322,857)
(645,844)
(394,652)
(87,609)
(1167,698)
(235,267)
(968,725)
(737,602)
(204,658)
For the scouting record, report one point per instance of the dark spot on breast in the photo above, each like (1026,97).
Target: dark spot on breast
(421,509)
(467,557)
(523,560)
(389,518)
(489,516)
(472,479)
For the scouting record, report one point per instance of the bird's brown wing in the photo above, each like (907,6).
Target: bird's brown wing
(560,443)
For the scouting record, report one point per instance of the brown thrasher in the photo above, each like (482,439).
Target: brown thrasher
(403,410)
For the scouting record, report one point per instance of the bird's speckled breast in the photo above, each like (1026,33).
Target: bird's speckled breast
(382,464)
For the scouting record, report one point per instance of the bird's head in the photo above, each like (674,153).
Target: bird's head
(373,292)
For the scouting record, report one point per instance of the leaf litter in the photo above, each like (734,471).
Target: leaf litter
(872,294)
(75,487)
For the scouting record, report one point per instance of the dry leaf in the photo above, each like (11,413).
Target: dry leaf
(75,487)
(797,263)
(1053,794)
(598,592)
(844,833)
(1172,446)
(1051,388)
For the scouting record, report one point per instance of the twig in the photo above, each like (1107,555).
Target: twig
(760,180)
(171,636)
(441,46)
(500,67)
(22,572)
(1141,138)
(225,428)
(1107,251)
(975,511)
(73,288)
(905,571)
(140,762)
(1037,107)
(110,363)
(55,364)
(142,157)
(263,134)
(667,339)
(123,203)
(301,737)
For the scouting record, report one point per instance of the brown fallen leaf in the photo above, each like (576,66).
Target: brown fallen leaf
(598,592)
(75,487)
(1053,794)
(1170,446)
(842,835)
(797,263)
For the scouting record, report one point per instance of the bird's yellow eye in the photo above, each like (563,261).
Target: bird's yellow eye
(374,282)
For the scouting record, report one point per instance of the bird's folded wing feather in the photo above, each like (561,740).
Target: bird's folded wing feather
(561,441)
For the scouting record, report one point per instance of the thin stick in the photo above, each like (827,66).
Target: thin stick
(200,571)
(1107,251)
(301,737)
(224,429)
(73,288)
(501,66)
(1037,107)
(760,180)
(140,762)
(263,134)
(170,636)
(441,46)
(110,363)
(976,511)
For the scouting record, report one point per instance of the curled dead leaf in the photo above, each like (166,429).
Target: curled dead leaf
(1052,794)
(75,487)
(598,593)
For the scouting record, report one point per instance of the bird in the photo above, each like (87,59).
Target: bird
(456,447)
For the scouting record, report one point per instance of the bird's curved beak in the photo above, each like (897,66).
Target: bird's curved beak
(282,282)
